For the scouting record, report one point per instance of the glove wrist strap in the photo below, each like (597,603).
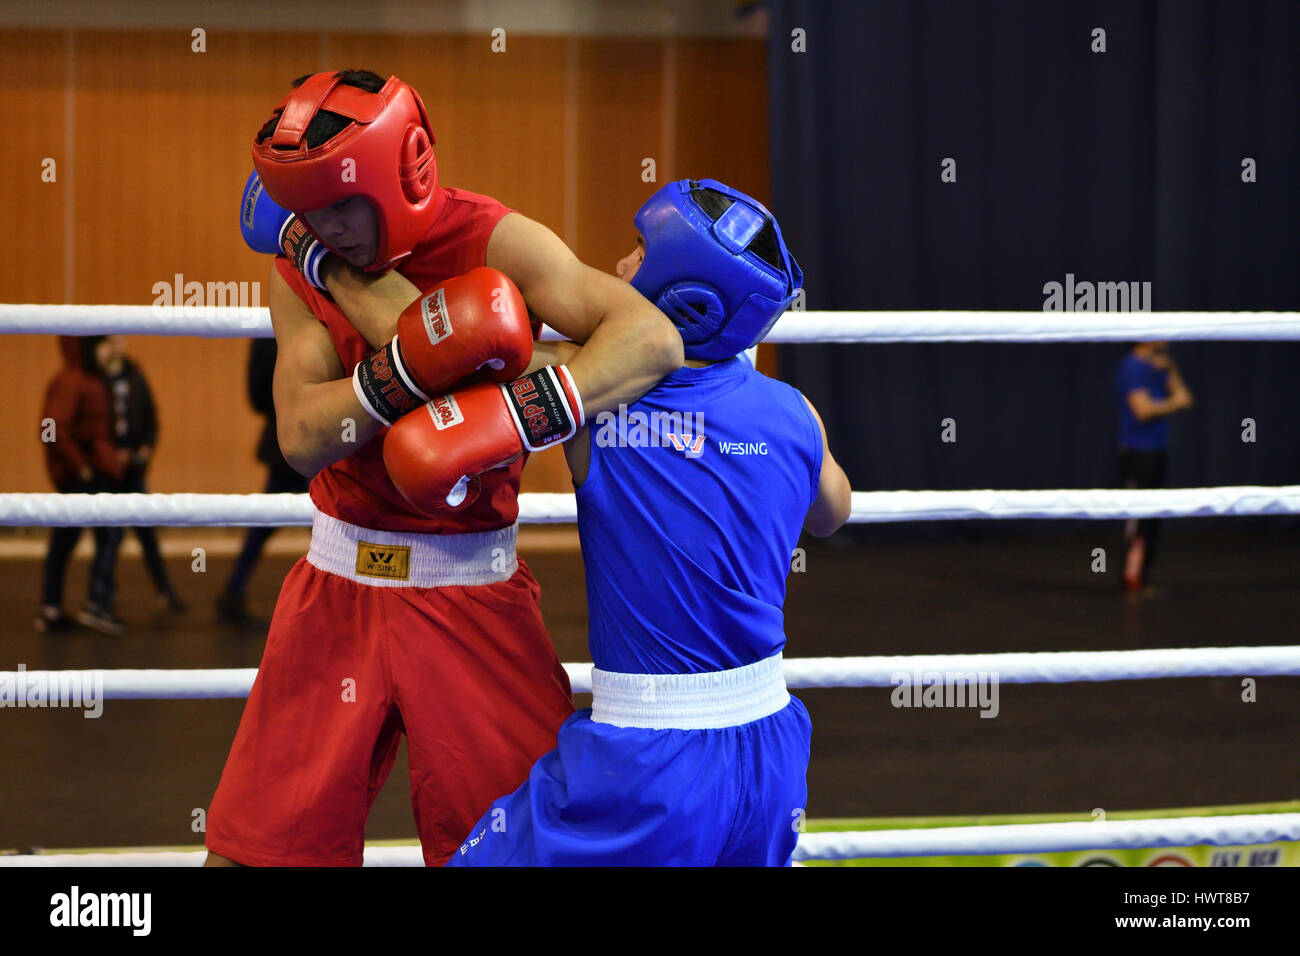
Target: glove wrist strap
(304,250)
(383,385)
(546,407)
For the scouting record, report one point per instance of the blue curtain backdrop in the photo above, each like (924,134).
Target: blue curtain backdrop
(1115,166)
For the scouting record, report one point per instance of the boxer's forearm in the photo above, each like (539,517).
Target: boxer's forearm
(627,344)
(625,356)
(323,424)
(372,302)
(552,353)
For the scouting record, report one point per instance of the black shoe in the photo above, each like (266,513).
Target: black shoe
(231,610)
(53,623)
(171,602)
(102,619)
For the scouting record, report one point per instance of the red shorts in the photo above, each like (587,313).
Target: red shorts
(469,674)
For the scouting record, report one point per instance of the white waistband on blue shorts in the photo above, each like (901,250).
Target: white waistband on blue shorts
(399,559)
(705,701)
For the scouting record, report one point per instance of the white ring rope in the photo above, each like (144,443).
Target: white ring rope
(1241,830)
(1245,829)
(973,326)
(177,510)
(1048,667)
(1086,503)
(818,326)
(801,673)
(878,327)
(44,509)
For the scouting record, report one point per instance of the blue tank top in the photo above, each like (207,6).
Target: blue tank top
(689,516)
(1141,436)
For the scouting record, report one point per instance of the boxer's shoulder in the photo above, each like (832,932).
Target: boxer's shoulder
(461,209)
(454,195)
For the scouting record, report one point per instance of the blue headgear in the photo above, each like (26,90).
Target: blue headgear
(722,298)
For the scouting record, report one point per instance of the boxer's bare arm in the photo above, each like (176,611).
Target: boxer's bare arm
(552,353)
(314,398)
(577,450)
(627,344)
(834,493)
(371,301)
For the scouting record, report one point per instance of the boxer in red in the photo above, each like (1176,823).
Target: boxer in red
(398,621)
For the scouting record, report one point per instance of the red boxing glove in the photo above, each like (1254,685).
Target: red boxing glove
(435,454)
(477,321)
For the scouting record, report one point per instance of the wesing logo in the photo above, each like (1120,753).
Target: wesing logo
(692,446)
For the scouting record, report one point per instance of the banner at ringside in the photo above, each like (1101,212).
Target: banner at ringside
(1280,853)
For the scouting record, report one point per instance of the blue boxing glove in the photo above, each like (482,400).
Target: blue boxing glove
(270,228)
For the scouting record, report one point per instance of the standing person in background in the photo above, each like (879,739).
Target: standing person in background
(76,429)
(1149,388)
(281,479)
(135,432)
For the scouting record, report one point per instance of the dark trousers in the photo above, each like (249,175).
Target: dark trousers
(279,482)
(133,482)
(1144,469)
(62,543)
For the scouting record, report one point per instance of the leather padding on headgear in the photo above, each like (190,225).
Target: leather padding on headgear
(384,154)
(699,271)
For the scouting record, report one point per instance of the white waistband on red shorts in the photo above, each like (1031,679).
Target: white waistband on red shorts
(705,701)
(399,559)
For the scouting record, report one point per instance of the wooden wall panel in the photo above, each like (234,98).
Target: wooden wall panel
(619,125)
(33,67)
(721,103)
(159,154)
(721,107)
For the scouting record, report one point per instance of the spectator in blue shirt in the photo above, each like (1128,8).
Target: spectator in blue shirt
(1148,389)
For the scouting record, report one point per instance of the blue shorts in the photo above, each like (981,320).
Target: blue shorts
(630,796)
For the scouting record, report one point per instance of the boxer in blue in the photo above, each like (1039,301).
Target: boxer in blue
(690,504)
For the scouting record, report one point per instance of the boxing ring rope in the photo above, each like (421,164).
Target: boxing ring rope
(794,326)
(883,506)
(1005,839)
(801,673)
(202,510)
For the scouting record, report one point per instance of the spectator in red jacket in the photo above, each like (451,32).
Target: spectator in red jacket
(80,456)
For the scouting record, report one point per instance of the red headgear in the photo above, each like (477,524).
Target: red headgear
(385,155)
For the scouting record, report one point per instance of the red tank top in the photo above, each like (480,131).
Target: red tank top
(357,489)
